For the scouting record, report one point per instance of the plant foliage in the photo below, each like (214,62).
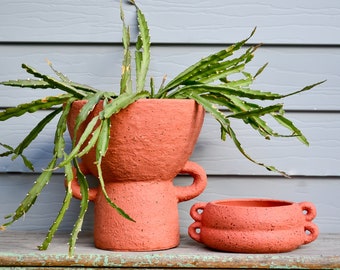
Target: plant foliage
(207,82)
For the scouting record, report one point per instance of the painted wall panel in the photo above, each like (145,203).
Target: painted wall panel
(322,192)
(173,21)
(81,38)
(290,68)
(322,158)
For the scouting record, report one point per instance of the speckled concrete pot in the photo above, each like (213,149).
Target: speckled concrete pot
(253,225)
(150,143)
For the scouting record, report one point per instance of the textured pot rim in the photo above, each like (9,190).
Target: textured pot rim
(252,203)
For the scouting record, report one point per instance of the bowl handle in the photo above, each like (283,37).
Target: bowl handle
(196,209)
(309,209)
(313,232)
(192,231)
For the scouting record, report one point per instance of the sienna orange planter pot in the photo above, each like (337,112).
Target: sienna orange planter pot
(253,225)
(151,142)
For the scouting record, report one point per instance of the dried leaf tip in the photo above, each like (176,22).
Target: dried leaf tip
(48,62)
(125,69)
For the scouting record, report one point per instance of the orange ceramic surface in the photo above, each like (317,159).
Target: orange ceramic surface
(253,225)
(150,143)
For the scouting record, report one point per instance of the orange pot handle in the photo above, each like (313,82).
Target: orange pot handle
(196,188)
(196,213)
(313,232)
(75,185)
(192,231)
(310,210)
(196,210)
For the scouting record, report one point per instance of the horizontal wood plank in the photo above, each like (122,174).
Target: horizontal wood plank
(321,254)
(175,21)
(100,66)
(18,251)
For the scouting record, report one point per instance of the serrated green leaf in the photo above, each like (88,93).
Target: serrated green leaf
(91,143)
(212,109)
(103,139)
(192,70)
(225,89)
(222,69)
(260,70)
(63,77)
(142,55)
(41,84)
(203,64)
(64,207)
(9,148)
(92,101)
(33,106)
(35,132)
(83,209)
(87,89)
(306,88)
(59,140)
(237,143)
(33,193)
(107,198)
(64,86)
(125,81)
(239,106)
(10,151)
(28,164)
(257,112)
(122,102)
(28,83)
(285,122)
(91,126)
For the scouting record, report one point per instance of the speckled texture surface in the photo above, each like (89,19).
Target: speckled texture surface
(150,143)
(150,139)
(253,225)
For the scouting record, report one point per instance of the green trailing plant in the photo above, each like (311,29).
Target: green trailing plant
(207,82)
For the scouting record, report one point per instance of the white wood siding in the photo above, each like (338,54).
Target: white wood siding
(173,21)
(81,38)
